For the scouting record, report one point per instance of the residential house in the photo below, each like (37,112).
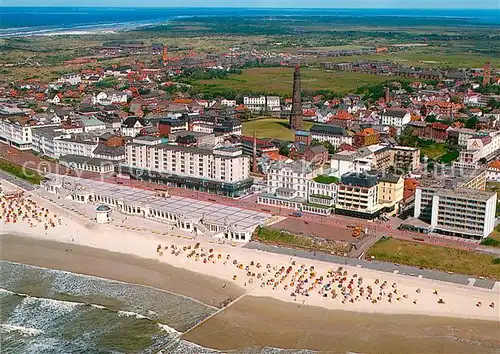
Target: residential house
(493,171)
(366,137)
(335,135)
(397,118)
(132,126)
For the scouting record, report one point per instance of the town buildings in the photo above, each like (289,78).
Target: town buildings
(456,205)
(397,118)
(16,131)
(358,195)
(224,170)
(405,158)
(335,135)
(263,104)
(366,137)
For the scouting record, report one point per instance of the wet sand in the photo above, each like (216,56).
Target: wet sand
(116,266)
(260,321)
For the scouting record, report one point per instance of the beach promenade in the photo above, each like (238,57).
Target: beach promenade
(244,273)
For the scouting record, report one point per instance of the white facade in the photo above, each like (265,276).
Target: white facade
(132,131)
(228,103)
(73,147)
(395,119)
(16,133)
(322,193)
(460,212)
(107,98)
(224,164)
(294,176)
(464,135)
(335,140)
(72,79)
(259,104)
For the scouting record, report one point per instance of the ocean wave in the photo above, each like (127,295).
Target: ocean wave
(61,307)
(7,328)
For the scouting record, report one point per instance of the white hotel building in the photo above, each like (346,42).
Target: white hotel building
(222,170)
(458,206)
(16,131)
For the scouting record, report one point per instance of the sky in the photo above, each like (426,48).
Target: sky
(416,4)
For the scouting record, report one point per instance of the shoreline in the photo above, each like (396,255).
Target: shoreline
(225,264)
(260,321)
(117,267)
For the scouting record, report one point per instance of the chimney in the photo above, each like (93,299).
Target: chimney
(387,95)
(165,55)
(254,162)
(486,73)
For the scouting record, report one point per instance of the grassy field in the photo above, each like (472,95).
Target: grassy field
(279,80)
(18,171)
(278,237)
(271,128)
(435,257)
(433,151)
(422,57)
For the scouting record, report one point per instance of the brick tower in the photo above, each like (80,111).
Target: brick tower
(296,117)
(486,73)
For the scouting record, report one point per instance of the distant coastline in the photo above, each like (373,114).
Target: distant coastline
(36,21)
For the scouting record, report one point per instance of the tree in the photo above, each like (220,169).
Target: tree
(431,118)
(284,150)
(326,144)
(471,123)
(408,138)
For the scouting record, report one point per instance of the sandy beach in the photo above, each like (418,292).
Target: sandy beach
(259,321)
(47,235)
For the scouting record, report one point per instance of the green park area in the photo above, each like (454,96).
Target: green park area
(436,257)
(279,81)
(433,150)
(271,128)
(21,172)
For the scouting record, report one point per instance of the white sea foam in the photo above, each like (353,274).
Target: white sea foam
(6,328)
(131,314)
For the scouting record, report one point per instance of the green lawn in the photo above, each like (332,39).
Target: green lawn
(278,237)
(23,173)
(326,179)
(449,157)
(434,150)
(279,81)
(271,128)
(422,57)
(435,257)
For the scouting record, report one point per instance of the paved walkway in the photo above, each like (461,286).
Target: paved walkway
(376,265)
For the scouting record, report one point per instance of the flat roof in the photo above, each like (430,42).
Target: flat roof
(189,208)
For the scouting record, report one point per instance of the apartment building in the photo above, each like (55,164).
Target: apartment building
(381,157)
(344,162)
(457,205)
(397,118)
(263,103)
(405,158)
(478,147)
(335,135)
(358,196)
(222,170)
(390,192)
(16,131)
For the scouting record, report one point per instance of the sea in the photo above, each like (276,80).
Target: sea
(53,311)
(28,21)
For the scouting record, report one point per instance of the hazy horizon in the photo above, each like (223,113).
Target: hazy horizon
(270,4)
